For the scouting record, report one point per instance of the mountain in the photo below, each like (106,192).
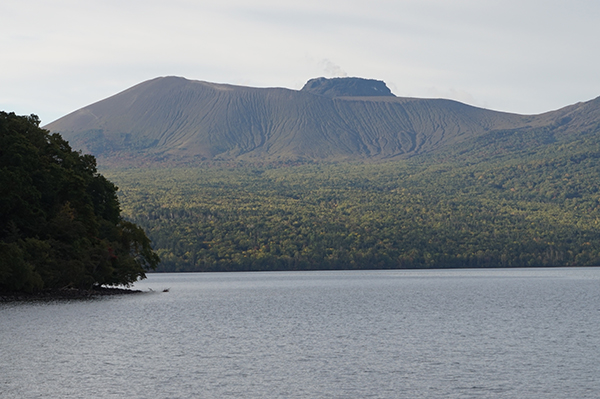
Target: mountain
(461,186)
(176,120)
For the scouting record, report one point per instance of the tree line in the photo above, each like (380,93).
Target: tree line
(514,200)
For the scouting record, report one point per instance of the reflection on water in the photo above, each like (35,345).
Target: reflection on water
(527,333)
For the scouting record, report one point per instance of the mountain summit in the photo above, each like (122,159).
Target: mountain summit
(176,120)
(347,87)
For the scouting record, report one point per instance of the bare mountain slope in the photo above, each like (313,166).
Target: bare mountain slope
(180,120)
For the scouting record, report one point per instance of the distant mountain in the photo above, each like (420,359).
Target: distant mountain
(479,188)
(176,120)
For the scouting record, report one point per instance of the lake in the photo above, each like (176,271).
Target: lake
(498,333)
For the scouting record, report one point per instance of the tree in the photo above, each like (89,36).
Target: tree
(60,221)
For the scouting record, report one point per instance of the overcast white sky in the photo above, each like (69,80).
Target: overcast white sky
(524,56)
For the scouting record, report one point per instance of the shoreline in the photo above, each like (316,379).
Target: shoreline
(64,294)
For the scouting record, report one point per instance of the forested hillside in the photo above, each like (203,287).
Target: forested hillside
(525,197)
(60,222)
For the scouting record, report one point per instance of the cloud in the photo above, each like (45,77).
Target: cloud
(516,56)
(331,69)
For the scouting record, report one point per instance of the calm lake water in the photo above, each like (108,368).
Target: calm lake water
(502,333)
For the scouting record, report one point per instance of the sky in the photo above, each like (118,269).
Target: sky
(521,56)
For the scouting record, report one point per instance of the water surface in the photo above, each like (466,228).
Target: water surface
(526,333)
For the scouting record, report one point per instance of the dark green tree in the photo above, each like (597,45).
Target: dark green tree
(60,223)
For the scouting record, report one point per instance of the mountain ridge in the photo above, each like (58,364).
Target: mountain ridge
(173,119)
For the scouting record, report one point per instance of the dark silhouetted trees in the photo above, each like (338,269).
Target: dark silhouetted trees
(60,223)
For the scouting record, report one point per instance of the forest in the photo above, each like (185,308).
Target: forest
(519,198)
(60,220)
